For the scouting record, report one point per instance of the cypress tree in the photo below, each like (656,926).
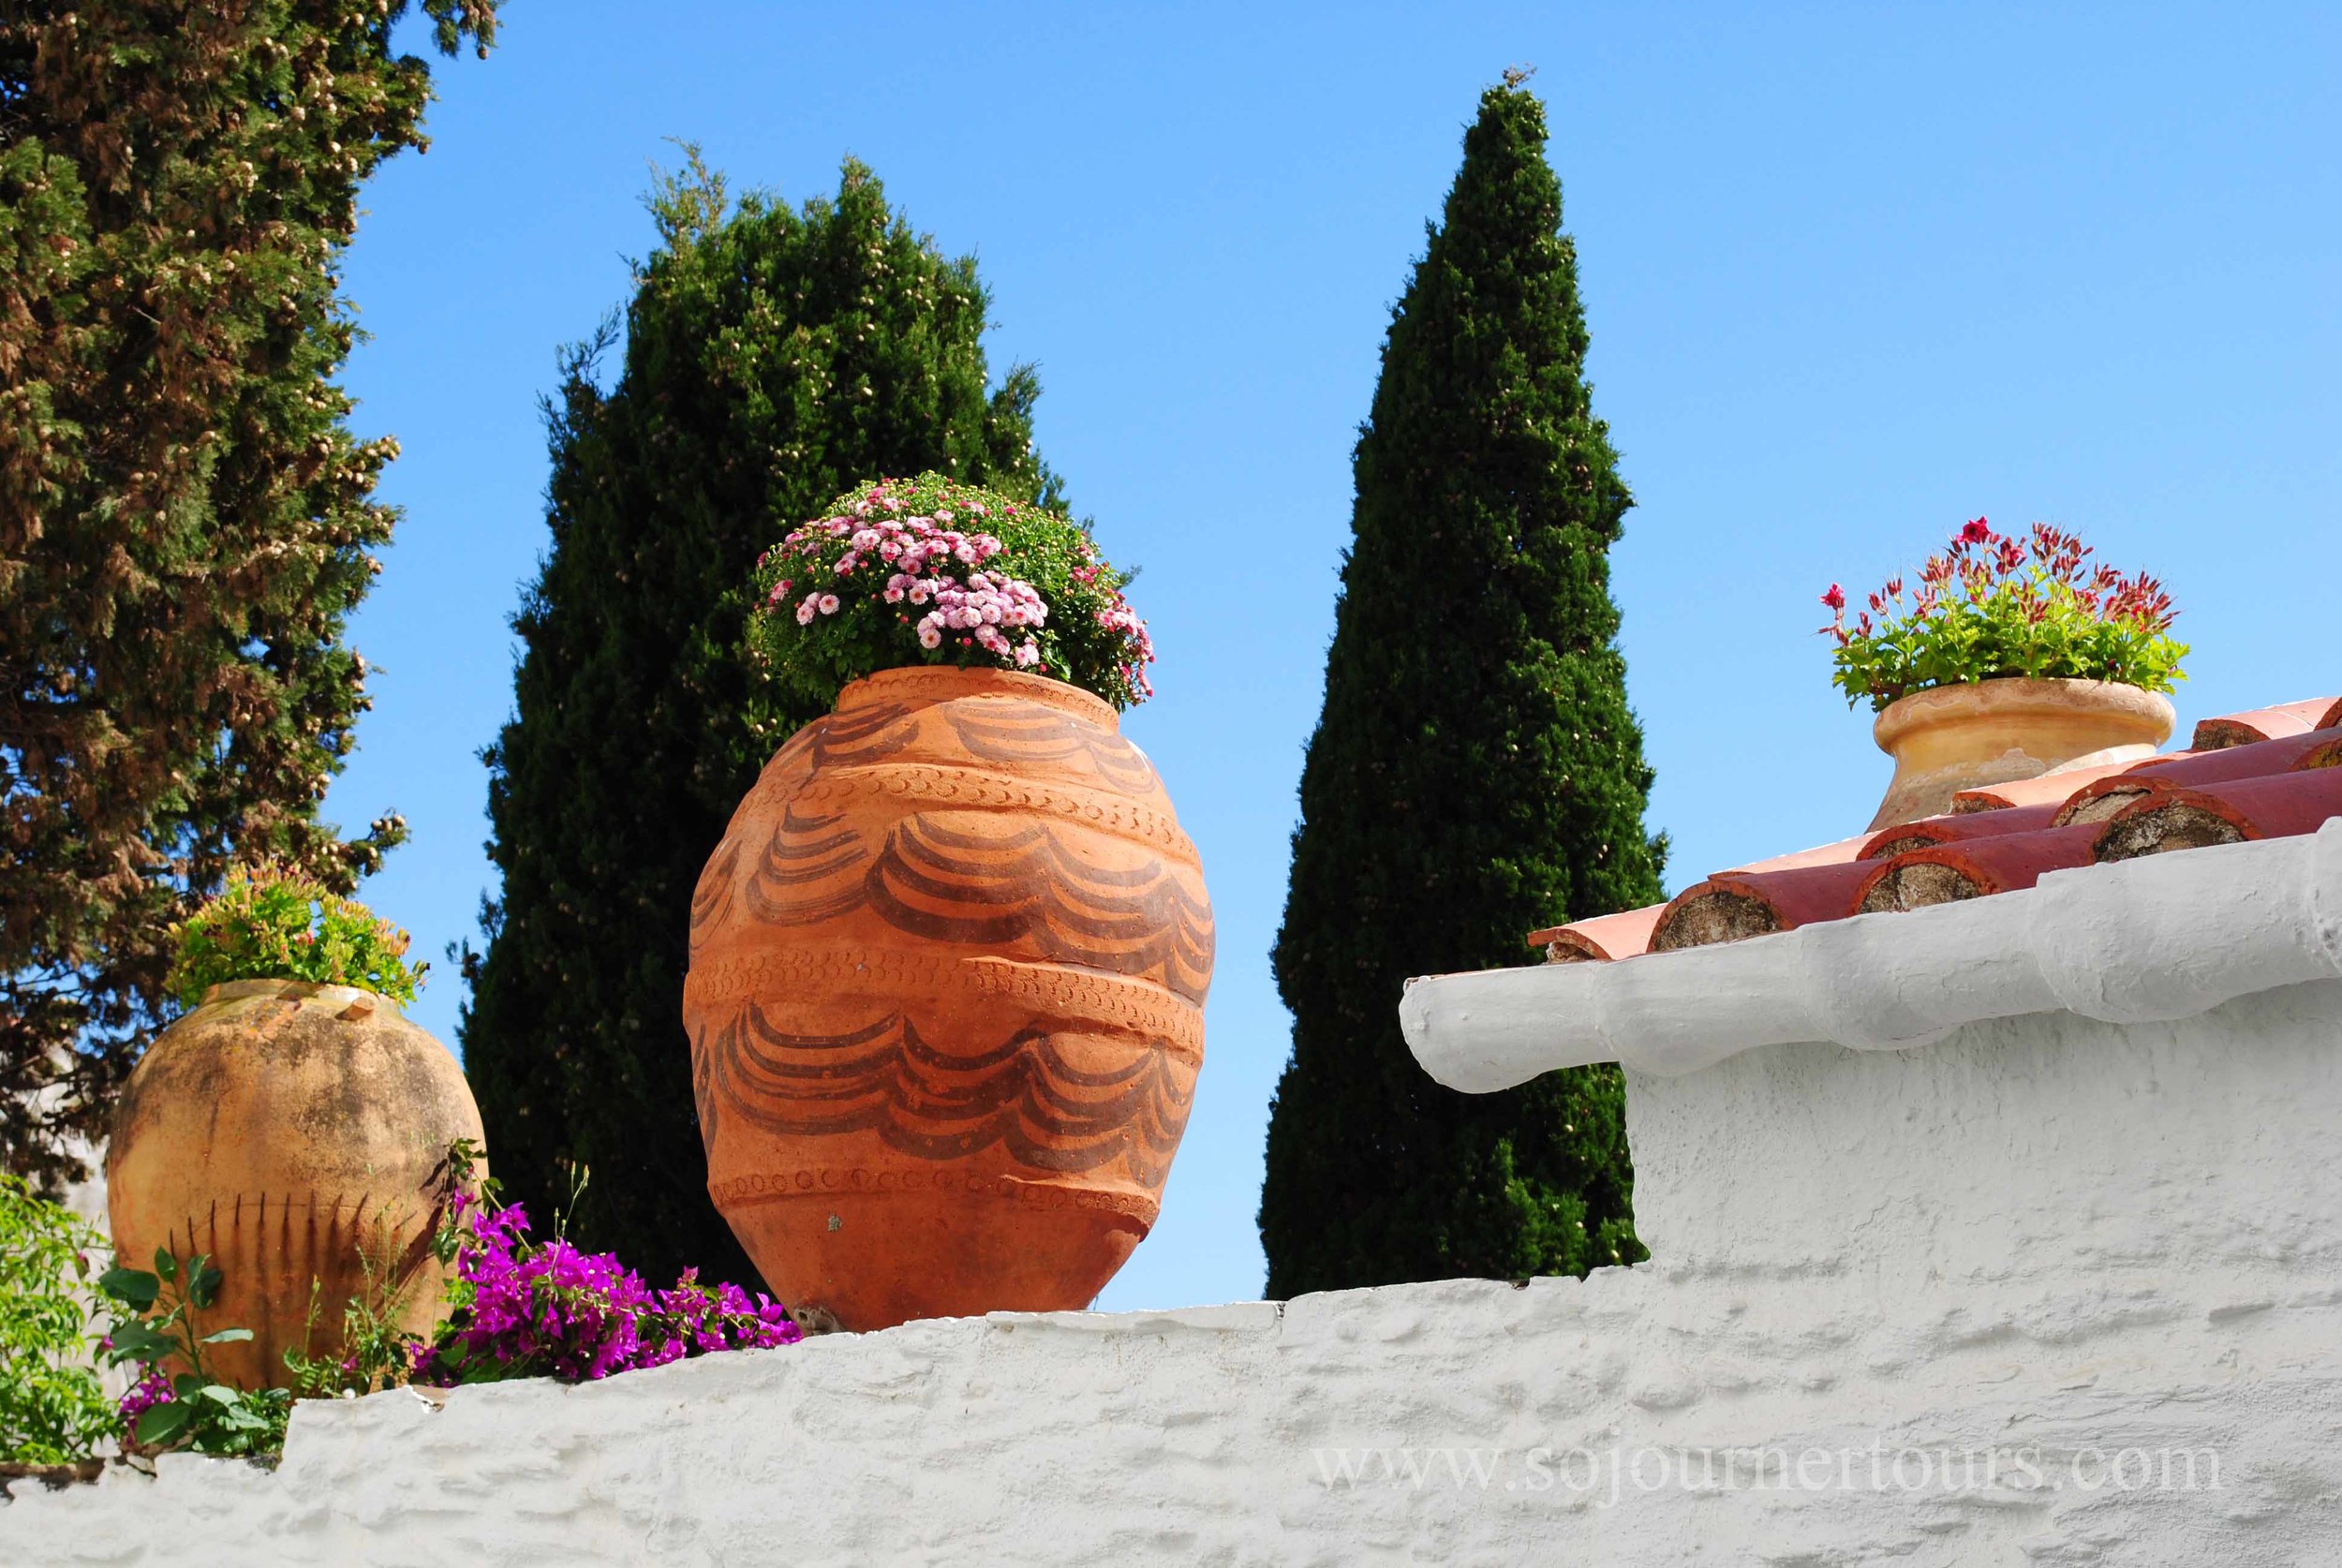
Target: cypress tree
(1476,772)
(773,357)
(186,520)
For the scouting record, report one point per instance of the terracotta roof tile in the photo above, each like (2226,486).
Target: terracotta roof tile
(2051,789)
(2286,718)
(2101,798)
(1602,937)
(1960,827)
(1974,867)
(1731,905)
(2180,818)
(2270,773)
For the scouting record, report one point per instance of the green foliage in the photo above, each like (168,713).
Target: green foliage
(278,924)
(1476,773)
(186,519)
(52,1409)
(1989,607)
(178,1403)
(893,570)
(774,356)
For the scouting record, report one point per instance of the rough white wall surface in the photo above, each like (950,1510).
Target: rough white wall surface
(2096,1265)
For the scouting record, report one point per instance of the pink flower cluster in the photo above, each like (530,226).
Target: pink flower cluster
(549,1309)
(1119,616)
(924,558)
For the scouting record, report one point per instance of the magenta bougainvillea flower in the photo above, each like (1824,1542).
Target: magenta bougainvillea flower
(524,1309)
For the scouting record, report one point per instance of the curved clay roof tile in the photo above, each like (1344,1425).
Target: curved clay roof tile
(2099,800)
(2260,724)
(1733,906)
(1601,938)
(2175,817)
(1958,829)
(1944,873)
(2050,789)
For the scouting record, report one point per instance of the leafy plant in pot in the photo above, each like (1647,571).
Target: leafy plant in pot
(948,964)
(2009,658)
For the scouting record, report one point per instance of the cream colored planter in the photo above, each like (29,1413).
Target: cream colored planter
(286,1130)
(1950,738)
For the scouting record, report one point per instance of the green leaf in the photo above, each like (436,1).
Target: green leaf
(162,1423)
(166,1266)
(203,1282)
(228,1336)
(220,1394)
(187,1385)
(132,1287)
(136,1342)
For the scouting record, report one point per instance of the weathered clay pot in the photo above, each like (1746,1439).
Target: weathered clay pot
(281,1127)
(946,1000)
(1950,738)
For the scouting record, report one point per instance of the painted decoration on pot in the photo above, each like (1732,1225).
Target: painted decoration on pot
(945,1001)
(295,1132)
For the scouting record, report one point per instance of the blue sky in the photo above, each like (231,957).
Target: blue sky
(1854,273)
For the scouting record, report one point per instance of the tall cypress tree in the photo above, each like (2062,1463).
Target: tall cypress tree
(773,357)
(1476,772)
(186,519)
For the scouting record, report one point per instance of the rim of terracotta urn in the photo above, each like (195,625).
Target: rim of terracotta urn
(2149,712)
(298,990)
(936,683)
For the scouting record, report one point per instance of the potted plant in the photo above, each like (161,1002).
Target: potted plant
(291,1125)
(2010,659)
(948,964)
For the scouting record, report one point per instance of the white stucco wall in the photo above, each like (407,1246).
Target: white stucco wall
(2052,1244)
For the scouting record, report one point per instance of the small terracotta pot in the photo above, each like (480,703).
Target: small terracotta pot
(1950,738)
(945,1001)
(282,1127)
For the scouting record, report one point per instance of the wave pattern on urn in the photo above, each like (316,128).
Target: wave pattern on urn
(945,1004)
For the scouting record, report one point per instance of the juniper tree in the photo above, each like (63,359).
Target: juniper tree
(1476,772)
(186,520)
(772,359)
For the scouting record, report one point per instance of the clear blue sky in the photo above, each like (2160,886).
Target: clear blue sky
(1854,273)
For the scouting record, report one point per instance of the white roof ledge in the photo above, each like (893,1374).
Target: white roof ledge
(2163,936)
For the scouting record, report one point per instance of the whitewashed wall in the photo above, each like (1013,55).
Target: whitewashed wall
(2055,1247)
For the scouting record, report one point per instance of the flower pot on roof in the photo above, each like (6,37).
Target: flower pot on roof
(2011,658)
(948,964)
(293,1126)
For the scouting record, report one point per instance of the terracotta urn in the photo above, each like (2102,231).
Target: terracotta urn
(946,1000)
(295,1133)
(1950,738)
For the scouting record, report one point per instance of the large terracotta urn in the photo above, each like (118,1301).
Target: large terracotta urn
(295,1133)
(1950,738)
(946,1000)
